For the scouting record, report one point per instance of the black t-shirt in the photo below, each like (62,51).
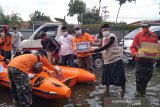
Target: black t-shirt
(50,44)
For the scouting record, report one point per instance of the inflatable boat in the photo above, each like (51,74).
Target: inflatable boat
(42,85)
(48,87)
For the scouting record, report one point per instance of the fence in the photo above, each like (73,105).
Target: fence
(119,31)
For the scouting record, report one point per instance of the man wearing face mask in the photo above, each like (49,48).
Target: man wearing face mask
(84,58)
(144,67)
(113,69)
(16,39)
(66,51)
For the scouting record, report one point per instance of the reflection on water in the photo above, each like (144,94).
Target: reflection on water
(93,95)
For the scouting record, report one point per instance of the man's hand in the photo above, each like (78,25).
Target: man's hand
(51,74)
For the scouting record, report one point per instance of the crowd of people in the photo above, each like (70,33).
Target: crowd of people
(65,49)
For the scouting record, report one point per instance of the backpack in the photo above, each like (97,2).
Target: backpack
(38,65)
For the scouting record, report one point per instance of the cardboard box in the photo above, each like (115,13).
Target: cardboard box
(149,50)
(83,46)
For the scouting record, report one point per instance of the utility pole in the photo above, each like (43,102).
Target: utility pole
(105,16)
(159,8)
(99,7)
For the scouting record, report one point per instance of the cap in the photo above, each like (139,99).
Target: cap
(105,26)
(144,24)
(77,26)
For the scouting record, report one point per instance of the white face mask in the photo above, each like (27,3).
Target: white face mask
(78,32)
(106,33)
(65,33)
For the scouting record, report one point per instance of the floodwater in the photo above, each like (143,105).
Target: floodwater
(94,95)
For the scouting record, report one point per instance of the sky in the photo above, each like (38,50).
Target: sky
(130,12)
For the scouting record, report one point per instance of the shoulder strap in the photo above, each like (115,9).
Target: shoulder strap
(38,57)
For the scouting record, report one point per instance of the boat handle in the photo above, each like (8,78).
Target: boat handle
(37,83)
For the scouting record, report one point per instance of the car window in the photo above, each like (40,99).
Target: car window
(132,34)
(158,33)
(50,31)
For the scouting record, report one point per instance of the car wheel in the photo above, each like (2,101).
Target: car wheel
(97,61)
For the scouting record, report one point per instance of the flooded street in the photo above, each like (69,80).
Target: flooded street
(93,95)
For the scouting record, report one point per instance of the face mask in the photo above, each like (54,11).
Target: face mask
(106,33)
(65,33)
(78,32)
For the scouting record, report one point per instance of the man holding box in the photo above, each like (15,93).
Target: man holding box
(81,45)
(144,66)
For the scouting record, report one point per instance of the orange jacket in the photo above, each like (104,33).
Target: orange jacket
(2,42)
(141,37)
(8,42)
(26,62)
(83,38)
(1,58)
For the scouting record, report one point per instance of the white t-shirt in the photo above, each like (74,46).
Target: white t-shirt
(16,38)
(66,45)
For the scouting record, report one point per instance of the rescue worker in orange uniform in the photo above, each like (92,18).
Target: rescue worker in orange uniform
(18,70)
(85,60)
(7,47)
(144,67)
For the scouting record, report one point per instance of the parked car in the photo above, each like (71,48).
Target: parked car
(127,42)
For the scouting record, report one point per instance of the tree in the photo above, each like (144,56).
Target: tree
(121,2)
(3,19)
(15,19)
(38,16)
(91,16)
(76,7)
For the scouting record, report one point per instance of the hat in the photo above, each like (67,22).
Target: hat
(105,26)
(77,26)
(144,24)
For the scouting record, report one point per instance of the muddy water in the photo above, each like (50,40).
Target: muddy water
(94,95)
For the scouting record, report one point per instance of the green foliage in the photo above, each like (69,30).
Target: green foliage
(91,16)
(3,19)
(38,16)
(76,7)
(15,19)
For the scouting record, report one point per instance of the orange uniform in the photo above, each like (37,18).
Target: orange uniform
(83,38)
(26,62)
(1,58)
(142,37)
